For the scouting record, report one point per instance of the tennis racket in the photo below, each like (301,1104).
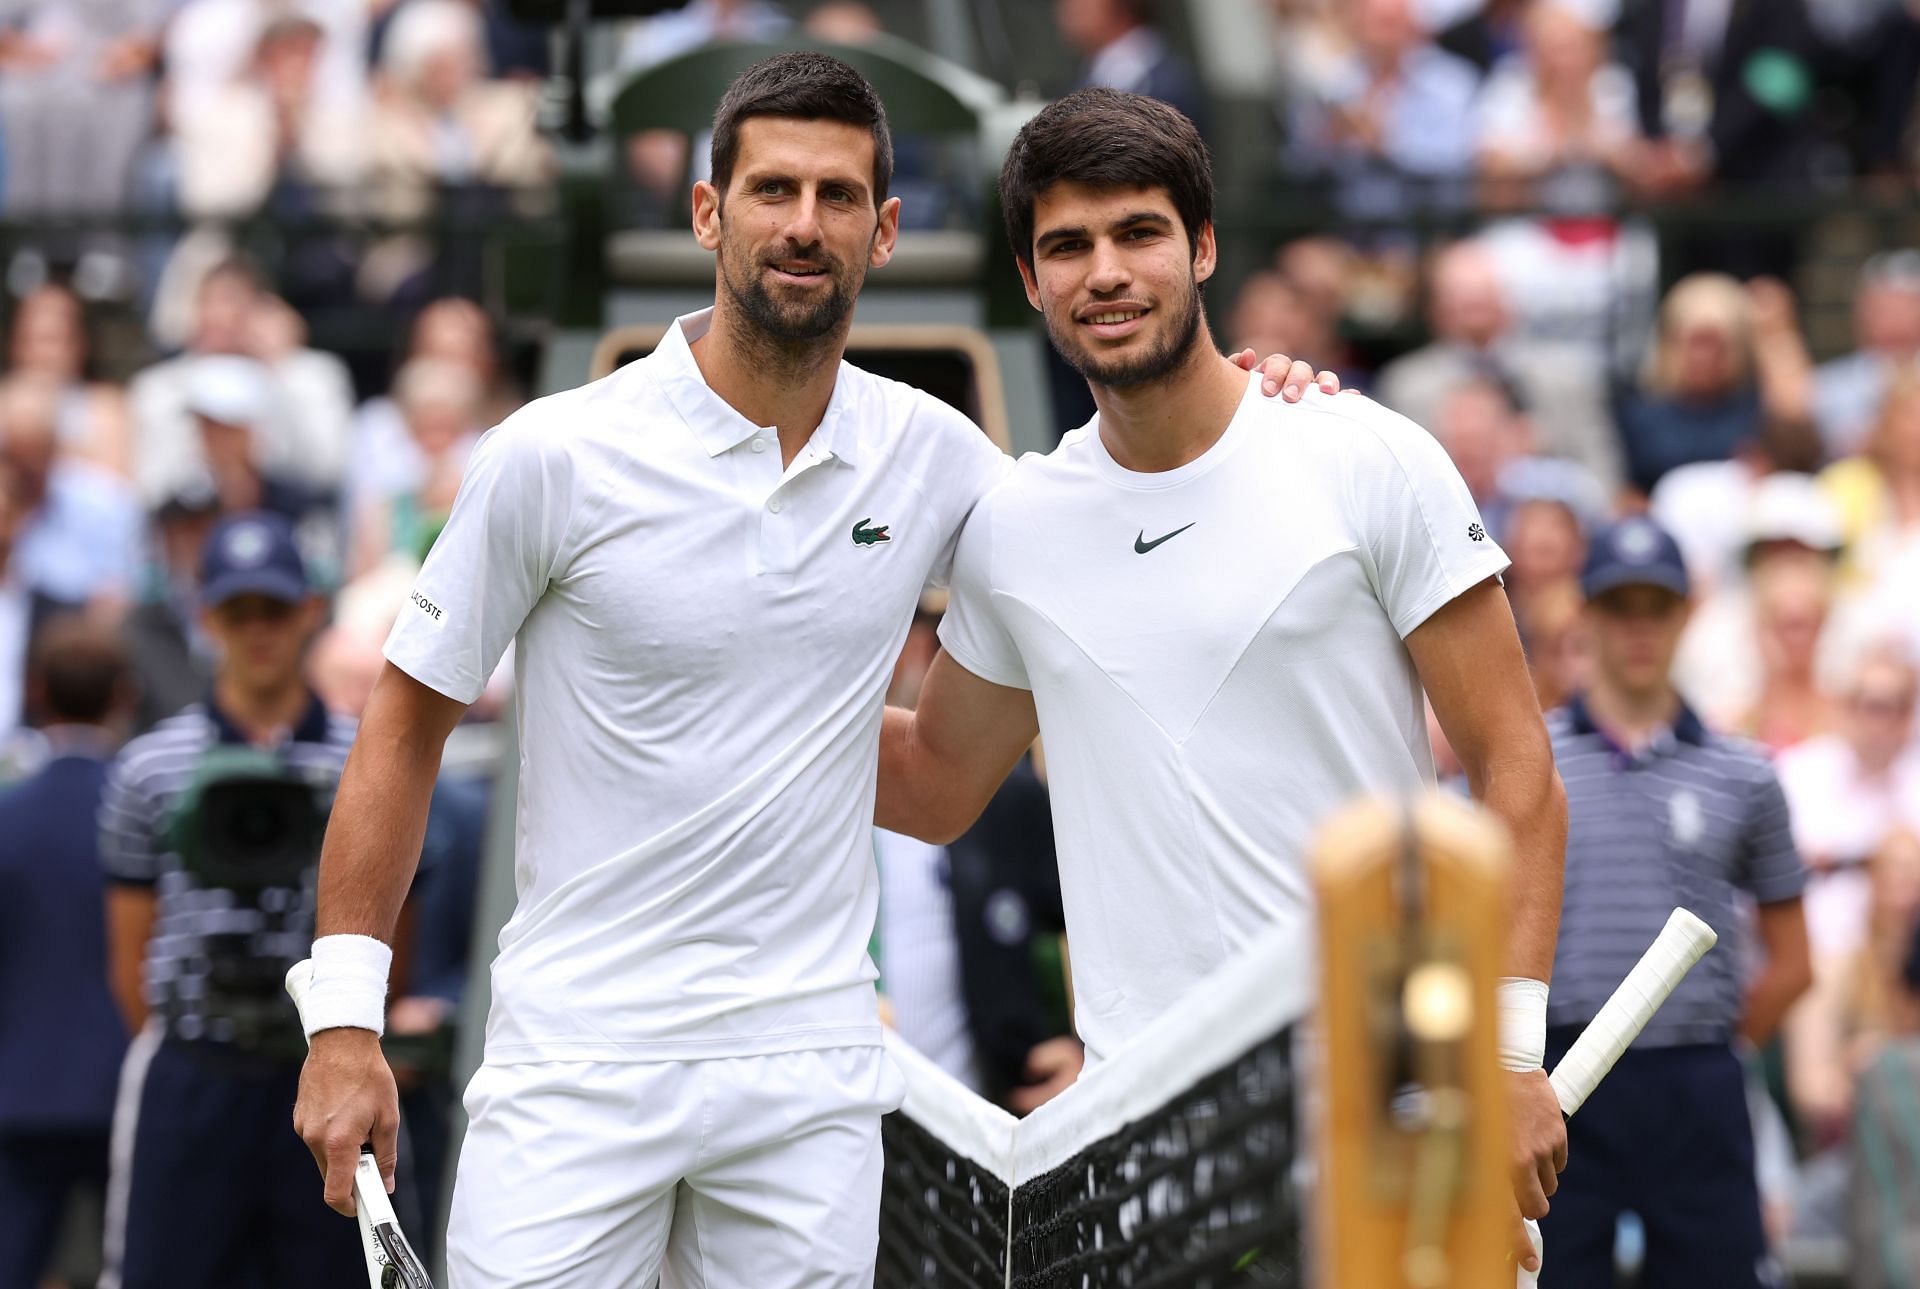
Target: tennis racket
(391,1261)
(1682,942)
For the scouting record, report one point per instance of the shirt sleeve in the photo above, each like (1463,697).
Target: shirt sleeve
(1771,862)
(972,630)
(500,549)
(1420,532)
(130,846)
(976,465)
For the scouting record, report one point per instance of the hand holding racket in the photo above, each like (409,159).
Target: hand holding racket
(1681,943)
(390,1260)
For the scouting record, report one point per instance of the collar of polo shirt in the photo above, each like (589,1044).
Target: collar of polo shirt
(1686,726)
(714,421)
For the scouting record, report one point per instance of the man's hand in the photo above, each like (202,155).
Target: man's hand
(347,1096)
(1288,377)
(1052,1067)
(1539,1152)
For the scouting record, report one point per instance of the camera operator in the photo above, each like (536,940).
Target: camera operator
(210,833)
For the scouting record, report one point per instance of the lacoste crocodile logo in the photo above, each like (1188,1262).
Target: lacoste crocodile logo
(865,536)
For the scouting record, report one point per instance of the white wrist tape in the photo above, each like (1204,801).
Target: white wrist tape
(1522,1004)
(349,989)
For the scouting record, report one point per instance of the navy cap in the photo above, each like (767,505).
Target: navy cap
(1633,552)
(252,553)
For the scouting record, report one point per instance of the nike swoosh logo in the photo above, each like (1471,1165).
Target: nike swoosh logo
(1141,545)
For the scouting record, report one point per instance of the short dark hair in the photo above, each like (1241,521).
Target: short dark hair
(82,669)
(805,86)
(1106,139)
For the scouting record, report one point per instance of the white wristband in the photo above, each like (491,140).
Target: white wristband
(349,989)
(1522,1005)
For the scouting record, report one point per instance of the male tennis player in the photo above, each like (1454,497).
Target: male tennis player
(1221,614)
(709,561)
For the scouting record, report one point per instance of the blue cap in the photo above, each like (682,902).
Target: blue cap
(1633,552)
(252,553)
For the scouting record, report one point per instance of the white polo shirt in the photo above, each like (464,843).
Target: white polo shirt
(1216,656)
(703,648)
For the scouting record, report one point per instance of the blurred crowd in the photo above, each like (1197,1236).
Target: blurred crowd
(1576,367)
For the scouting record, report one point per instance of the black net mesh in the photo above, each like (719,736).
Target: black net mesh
(943,1218)
(1197,1195)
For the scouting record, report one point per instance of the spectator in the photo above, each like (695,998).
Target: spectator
(78,539)
(62,1043)
(1878,491)
(268,135)
(1886,335)
(439,404)
(1389,118)
(1473,334)
(1709,506)
(195,959)
(210,42)
(227,397)
(1726,359)
(449,330)
(1557,123)
(439,122)
(1547,542)
(1791,603)
(172,659)
(1785,523)
(1559,647)
(1661,810)
(1851,793)
(309,396)
(48,340)
(1123,49)
(1480,424)
(1270,314)
(76,102)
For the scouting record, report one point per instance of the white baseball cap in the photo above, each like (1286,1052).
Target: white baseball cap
(1790,507)
(227,388)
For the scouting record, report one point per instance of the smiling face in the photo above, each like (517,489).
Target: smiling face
(798,227)
(1117,280)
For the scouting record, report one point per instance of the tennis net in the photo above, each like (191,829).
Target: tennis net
(1173,1164)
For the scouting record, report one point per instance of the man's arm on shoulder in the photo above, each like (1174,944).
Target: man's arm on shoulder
(940,764)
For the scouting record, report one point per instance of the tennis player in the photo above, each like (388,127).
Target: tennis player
(1222,614)
(708,561)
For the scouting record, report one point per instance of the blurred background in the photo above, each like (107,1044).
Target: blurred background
(1616,255)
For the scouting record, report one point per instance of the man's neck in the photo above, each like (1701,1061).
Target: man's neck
(263,715)
(1632,717)
(786,384)
(1164,424)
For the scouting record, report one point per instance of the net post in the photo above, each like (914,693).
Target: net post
(1413,1148)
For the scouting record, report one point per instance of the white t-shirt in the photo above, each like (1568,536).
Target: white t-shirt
(1841,819)
(1215,654)
(703,649)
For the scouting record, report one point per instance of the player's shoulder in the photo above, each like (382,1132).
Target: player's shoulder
(886,408)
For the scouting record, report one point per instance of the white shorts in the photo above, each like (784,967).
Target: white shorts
(753,1172)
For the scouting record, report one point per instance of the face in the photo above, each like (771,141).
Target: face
(1708,362)
(1635,631)
(1790,605)
(47,335)
(1467,303)
(1117,281)
(226,310)
(1545,543)
(1879,712)
(1565,51)
(455,331)
(798,227)
(262,640)
(1887,317)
